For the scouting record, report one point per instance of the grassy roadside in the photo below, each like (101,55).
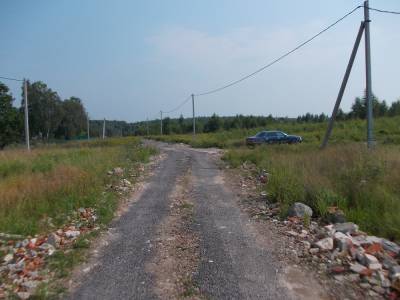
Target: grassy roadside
(50,190)
(48,184)
(364,184)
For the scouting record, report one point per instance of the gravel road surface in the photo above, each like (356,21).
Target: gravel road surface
(233,263)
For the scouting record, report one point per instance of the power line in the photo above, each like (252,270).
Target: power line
(385,11)
(279,58)
(178,107)
(9,78)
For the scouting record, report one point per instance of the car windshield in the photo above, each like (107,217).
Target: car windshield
(260,134)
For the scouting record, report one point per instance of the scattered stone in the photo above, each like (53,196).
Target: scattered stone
(325,244)
(292,233)
(335,215)
(307,244)
(314,250)
(357,268)
(23,295)
(365,285)
(72,233)
(346,227)
(54,240)
(8,258)
(338,269)
(118,171)
(394,272)
(300,210)
(390,246)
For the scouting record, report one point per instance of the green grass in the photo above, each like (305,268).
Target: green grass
(52,182)
(387,131)
(364,184)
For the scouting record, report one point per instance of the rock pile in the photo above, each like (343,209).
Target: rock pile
(350,254)
(22,268)
(369,263)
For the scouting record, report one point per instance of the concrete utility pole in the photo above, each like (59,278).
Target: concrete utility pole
(88,126)
(194,117)
(368,94)
(161,123)
(104,128)
(26,110)
(343,86)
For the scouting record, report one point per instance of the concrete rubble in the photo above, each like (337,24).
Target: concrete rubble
(23,259)
(332,245)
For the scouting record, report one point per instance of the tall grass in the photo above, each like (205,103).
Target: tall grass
(53,181)
(365,184)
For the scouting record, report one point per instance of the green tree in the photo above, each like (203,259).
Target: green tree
(394,109)
(45,111)
(73,121)
(10,119)
(213,124)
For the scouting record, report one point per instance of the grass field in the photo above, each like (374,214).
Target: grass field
(387,131)
(364,184)
(49,183)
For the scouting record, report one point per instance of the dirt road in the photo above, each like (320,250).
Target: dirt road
(186,236)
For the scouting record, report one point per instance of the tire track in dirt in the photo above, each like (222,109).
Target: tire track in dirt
(177,252)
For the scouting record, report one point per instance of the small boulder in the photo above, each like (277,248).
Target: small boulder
(394,272)
(8,258)
(335,215)
(390,246)
(346,227)
(325,244)
(342,241)
(54,240)
(72,233)
(118,171)
(300,210)
(357,268)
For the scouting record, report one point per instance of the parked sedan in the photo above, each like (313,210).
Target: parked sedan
(273,137)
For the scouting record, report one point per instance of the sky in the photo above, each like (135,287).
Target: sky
(129,59)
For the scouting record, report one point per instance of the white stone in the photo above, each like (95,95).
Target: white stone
(9,257)
(325,244)
(72,233)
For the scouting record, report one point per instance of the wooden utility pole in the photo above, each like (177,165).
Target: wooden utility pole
(104,128)
(26,110)
(88,126)
(194,117)
(161,129)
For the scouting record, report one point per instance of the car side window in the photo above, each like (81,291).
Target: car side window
(279,135)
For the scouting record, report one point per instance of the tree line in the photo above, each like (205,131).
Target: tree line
(51,118)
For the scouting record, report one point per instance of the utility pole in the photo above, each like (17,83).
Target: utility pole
(147,126)
(368,91)
(161,123)
(26,110)
(88,126)
(104,128)
(194,117)
(343,86)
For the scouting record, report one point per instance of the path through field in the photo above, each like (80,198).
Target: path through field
(186,236)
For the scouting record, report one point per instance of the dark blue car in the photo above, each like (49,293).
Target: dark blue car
(273,137)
